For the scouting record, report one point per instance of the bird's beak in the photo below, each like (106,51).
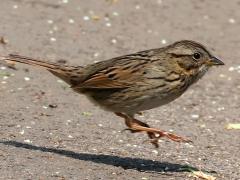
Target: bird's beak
(215,61)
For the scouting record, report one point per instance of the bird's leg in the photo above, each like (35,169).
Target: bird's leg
(153,133)
(133,125)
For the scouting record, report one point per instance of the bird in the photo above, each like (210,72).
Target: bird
(130,84)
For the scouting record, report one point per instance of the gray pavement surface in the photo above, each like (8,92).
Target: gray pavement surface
(49,132)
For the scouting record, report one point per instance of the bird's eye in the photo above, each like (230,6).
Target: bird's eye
(197,56)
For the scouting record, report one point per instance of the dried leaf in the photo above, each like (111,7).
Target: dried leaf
(202,175)
(95,17)
(233,126)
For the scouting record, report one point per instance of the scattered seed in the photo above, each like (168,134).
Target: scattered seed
(60,81)
(55,28)
(222,75)
(71,21)
(27,141)
(65,1)
(137,7)
(163,41)
(96,54)
(86,18)
(44,107)
(155,151)
(114,41)
(70,136)
(231,20)
(195,116)
(108,24)
(231,69)
(50,21)
(115,13)
(53,39)
(15,6)
(26,78)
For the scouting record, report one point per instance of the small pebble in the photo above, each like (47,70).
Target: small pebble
(21,132)
(52,105)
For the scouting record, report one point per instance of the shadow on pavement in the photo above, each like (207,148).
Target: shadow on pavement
(124,162)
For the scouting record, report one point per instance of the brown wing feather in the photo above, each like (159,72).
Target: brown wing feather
(117,76)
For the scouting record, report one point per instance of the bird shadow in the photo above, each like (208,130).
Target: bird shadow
(139,164)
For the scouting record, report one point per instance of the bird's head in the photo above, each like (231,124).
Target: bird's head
(192,56)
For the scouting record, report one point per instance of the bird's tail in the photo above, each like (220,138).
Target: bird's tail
(62,71)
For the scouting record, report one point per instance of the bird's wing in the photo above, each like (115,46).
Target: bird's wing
(113,74)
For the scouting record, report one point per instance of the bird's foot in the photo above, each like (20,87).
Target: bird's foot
(154,134)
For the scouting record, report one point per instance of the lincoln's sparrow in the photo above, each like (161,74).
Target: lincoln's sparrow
(132,83)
